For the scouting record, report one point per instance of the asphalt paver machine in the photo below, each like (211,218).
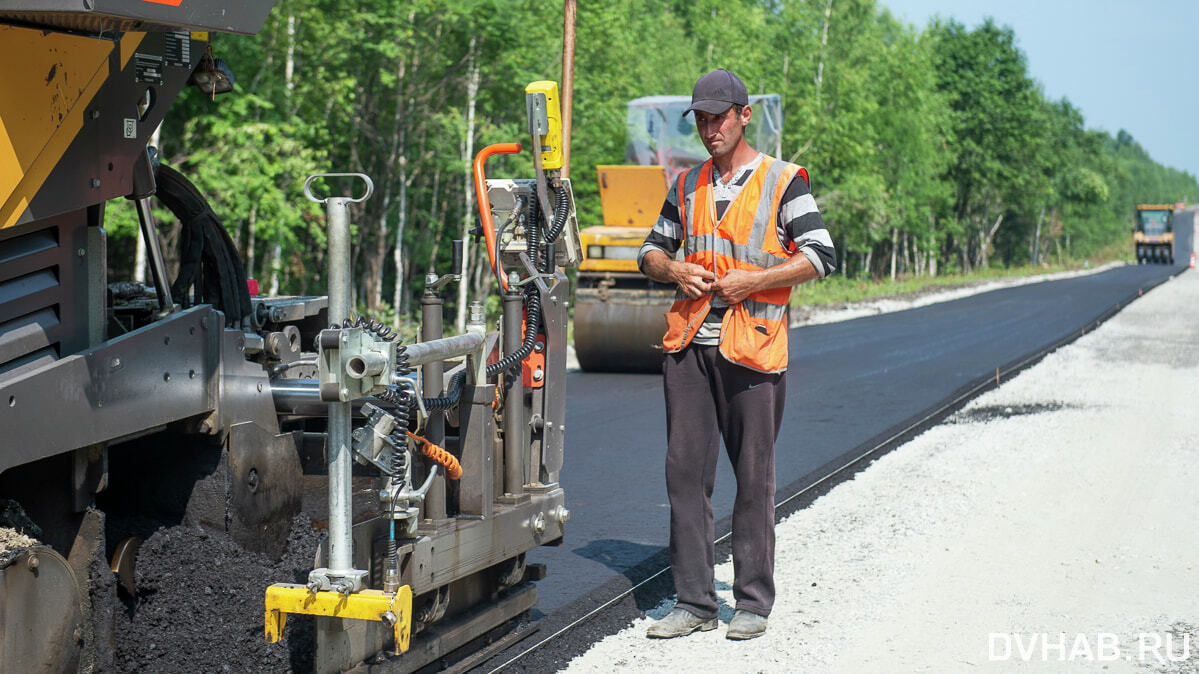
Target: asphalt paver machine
(190,400)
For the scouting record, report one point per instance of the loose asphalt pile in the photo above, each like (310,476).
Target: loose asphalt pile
(1048,526)
(199,605)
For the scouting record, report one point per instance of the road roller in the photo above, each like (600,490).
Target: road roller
(188,407)
(1153,233)
(619,315)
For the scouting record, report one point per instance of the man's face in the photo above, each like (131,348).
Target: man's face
(723,132)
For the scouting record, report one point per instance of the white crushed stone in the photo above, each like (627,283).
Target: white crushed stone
(1077,520)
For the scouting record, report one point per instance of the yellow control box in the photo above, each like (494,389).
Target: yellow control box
(545,116)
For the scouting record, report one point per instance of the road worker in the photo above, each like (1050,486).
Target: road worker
(749,230)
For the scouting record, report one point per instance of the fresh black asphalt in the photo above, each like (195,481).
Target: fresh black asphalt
(849,384)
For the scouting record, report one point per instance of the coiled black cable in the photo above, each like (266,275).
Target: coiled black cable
(402,366)
(404,405)
(377,328)
(450,399)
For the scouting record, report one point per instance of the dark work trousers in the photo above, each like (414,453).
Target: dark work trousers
(708,397)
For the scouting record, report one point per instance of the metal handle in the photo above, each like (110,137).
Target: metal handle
(370,186)
(456,264)
(485,204)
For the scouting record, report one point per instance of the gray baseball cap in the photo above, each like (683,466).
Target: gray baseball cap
(716,92)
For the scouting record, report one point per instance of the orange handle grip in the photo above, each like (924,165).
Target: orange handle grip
(453,469)
(485,204)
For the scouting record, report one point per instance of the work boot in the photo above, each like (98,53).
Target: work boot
(679,623)
(746,625)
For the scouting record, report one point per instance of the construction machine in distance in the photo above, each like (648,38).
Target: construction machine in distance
(189,405)
(1153,233)
(619,313)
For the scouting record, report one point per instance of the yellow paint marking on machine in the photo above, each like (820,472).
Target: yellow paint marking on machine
(375,605)
(42,106)
(611,248)
(631,195)
(551,113)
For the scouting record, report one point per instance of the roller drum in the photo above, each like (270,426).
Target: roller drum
(620,330)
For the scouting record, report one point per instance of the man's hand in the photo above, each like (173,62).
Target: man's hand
(736,285)
(693,279)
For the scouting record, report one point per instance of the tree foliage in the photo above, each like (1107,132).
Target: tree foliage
(930,149)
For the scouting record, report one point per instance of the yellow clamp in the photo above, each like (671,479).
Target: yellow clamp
(376,605)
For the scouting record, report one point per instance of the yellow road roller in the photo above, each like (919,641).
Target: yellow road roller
(1153,234)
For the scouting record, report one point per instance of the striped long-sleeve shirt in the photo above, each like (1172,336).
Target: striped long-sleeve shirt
(799,226)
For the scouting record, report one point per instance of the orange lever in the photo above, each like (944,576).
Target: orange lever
(485,204)
(453,469)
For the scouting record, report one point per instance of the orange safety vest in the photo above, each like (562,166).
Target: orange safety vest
(753,332)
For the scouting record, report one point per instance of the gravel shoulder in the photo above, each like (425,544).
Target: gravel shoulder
(1048,526)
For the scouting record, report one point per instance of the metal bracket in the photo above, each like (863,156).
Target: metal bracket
(535,276)
(352,364)
(343,581)
(543,192)
(375,605)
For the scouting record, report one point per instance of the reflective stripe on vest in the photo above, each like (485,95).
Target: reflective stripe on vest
(754,332)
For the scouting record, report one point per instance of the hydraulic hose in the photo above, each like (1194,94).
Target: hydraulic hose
(532,300)
(208,258)
(453,469)
(559,221)
(532,321)
(485,204)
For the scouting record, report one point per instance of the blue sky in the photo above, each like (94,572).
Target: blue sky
(1127,65)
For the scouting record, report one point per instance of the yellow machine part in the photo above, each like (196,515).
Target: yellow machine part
(42,104)
(631,196)
(552,156)
(1155,207)
(611,248)
(375,605)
